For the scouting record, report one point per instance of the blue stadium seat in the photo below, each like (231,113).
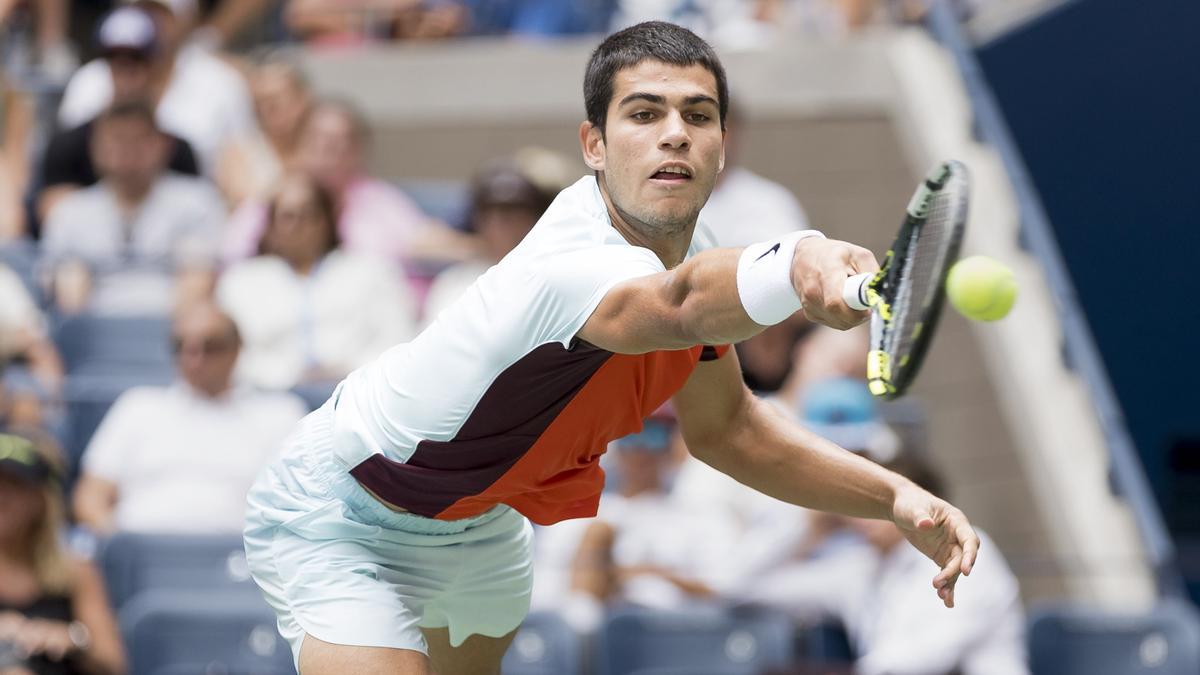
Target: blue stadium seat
(1077,641)
(694,670)
(125,347)
(447,200)
(137,563)
(314,394)
(545,645)
(21,258)
(173,632)
(635,640)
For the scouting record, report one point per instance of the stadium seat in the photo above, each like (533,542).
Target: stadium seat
(545,645)
(314,394)
(446,200)
(21,258)
(138,563)
(173,632)
(694,670)
(636,640)
(125,347)
(1076,641)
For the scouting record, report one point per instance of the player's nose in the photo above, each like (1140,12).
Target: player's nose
(674,133)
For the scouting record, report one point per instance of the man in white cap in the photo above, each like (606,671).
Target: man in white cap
(128,42)
(197,96)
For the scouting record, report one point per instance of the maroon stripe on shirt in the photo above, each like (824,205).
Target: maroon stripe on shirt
(509,418)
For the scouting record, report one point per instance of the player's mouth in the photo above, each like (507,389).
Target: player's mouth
(672,173)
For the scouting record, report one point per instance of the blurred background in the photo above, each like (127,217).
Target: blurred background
(211,211)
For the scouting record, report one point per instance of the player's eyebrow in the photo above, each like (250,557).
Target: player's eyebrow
(643,96)
(661,100)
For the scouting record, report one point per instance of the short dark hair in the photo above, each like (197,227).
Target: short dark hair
(141,110)
(327,209)
(655,40)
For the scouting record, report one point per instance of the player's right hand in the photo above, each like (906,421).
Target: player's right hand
(820,268)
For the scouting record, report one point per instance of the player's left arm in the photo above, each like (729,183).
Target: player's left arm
(740,435)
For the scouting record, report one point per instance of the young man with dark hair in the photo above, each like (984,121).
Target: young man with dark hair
(393,535)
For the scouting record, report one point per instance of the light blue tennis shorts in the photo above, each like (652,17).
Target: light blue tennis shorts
(337,564)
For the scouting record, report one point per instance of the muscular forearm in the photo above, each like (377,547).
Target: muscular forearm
(779,458)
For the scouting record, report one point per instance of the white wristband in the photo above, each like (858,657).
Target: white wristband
(764,278)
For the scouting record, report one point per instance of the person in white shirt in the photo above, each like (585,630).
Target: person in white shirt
(645,547)
(203,101)
(894,629)
(508,195)
(744,206)
(180,459)
(308,310)
(142,237)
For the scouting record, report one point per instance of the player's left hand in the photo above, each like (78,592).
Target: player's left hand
(941,532)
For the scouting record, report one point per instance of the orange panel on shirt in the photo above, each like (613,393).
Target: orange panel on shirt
(559,477)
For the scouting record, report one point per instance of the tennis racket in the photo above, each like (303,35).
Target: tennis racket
(905,296)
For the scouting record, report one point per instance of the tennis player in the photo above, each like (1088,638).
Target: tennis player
(393,535)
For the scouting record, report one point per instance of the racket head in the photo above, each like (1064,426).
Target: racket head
(907,294)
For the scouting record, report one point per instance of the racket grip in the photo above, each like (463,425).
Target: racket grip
(854,292)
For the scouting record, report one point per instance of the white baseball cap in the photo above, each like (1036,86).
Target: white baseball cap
(127,28)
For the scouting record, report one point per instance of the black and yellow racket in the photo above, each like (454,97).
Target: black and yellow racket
(905,296)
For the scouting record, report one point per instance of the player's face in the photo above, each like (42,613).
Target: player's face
(663,145)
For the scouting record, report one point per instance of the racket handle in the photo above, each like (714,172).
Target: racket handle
(854,292)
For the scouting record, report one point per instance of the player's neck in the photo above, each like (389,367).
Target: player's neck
(671,249)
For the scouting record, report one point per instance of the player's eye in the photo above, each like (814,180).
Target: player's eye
(698,118)
(643,116)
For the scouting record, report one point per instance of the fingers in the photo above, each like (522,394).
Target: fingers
(862,260)
(820,270)
(948,576)
(970,544)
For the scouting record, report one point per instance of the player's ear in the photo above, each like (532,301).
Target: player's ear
(592,142)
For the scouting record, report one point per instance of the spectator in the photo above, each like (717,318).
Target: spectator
(347,22)
(894,626)
(772,534)
(507,198)
(12,214)
(745,207)
(251,167)
(16,124)
(118,246)
(180,459)
(55,55)
(23,337)
(374,217)
(200,98)
(822,354)
(629,554)
(54,612)
(128,40)
(310,311)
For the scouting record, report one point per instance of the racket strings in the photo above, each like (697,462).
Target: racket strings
(921,274)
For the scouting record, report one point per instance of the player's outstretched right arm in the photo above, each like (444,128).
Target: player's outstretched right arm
(722,296)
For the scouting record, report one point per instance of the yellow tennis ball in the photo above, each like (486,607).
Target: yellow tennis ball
(981,288)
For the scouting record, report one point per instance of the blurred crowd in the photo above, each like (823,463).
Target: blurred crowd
(223,200)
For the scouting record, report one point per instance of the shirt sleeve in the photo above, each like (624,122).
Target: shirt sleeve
(575,282)
(105,453)
(87,94)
